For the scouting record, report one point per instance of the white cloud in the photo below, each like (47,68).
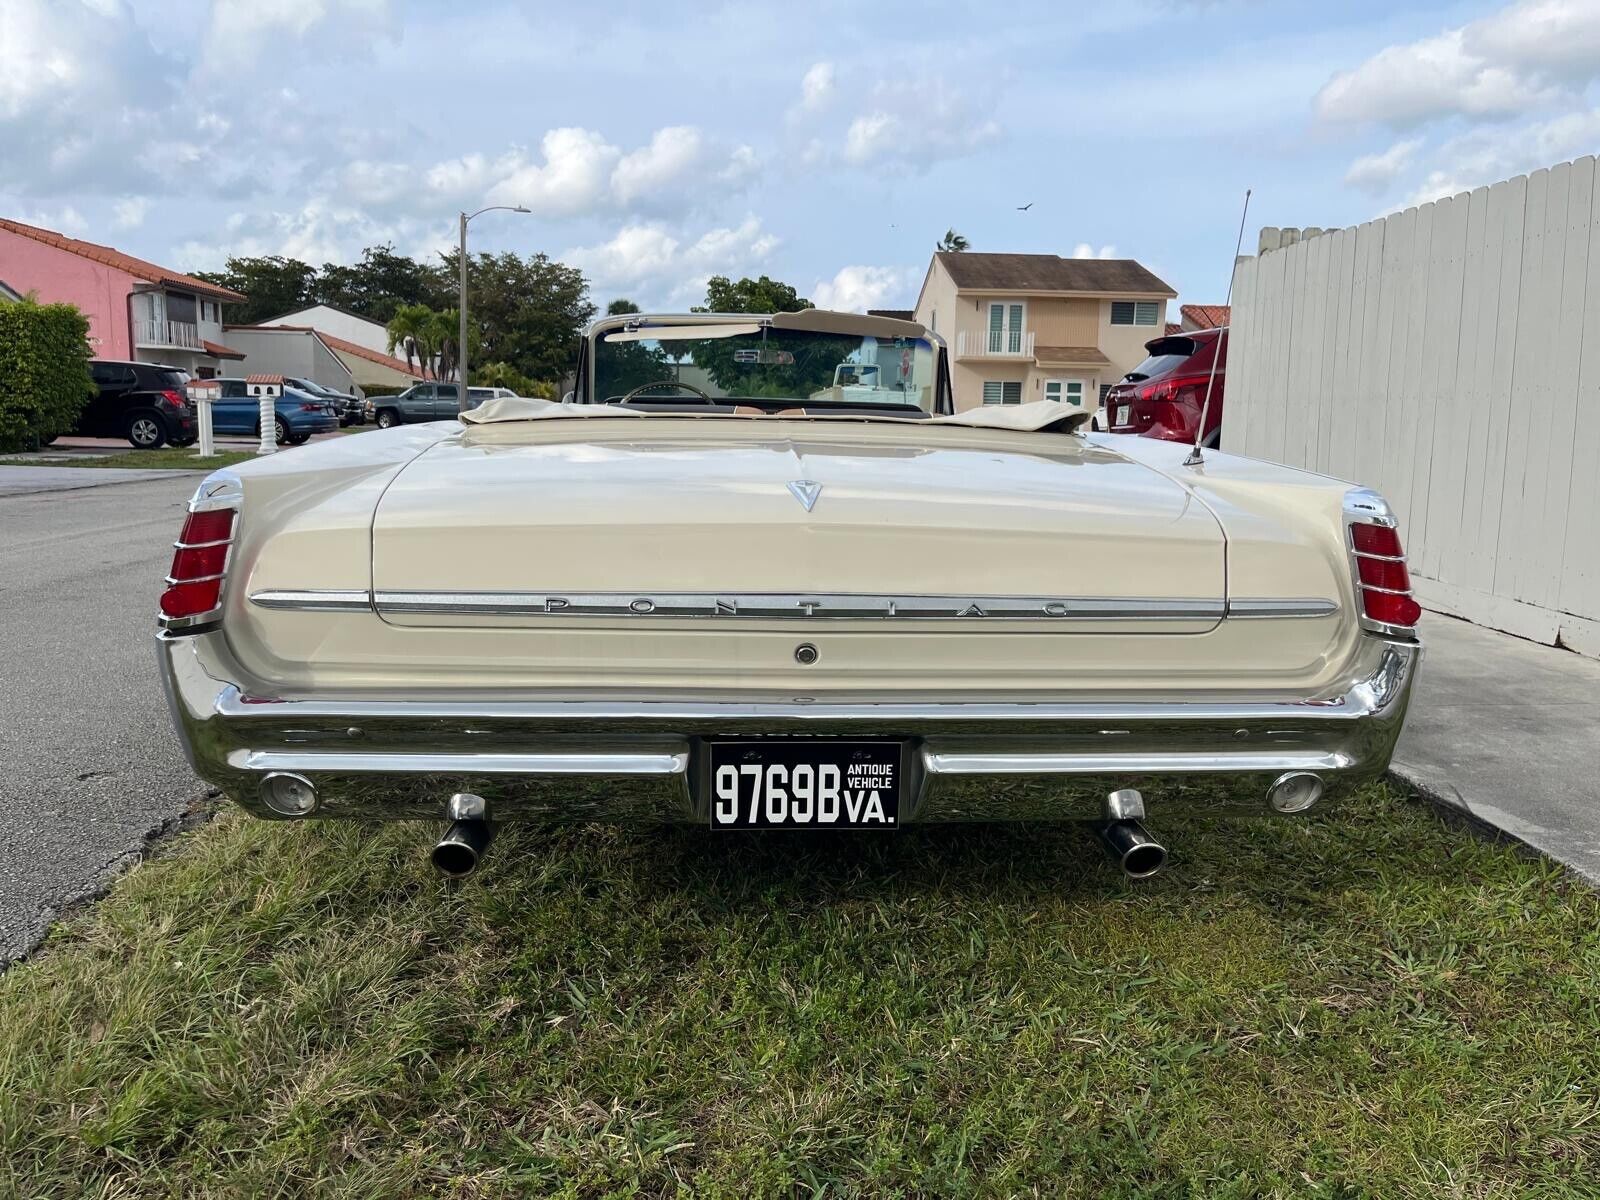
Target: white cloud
(321,230)
(1376,173)
(653,258)
(858,288)
(1510,62)
(1086,250)
(242,32)
(816,88)
(1488,155)
(671,154)
(917,122)
(129,212)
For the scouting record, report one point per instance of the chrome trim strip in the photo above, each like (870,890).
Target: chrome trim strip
(791,606)
(1249,609)
(314,600)
(800,606)
(445,763)
(1129,764)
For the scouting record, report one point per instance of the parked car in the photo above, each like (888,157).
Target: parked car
(350,409)
(1162,397)
(721,604)
(420,402)
(143,402)
(477,395)
(298,414)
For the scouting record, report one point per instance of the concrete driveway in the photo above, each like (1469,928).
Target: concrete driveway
(89,766)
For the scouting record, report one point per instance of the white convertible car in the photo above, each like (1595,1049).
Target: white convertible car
(716,585)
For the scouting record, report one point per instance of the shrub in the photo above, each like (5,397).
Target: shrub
(44,371)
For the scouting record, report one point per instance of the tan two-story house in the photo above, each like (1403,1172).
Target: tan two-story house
(1038,326)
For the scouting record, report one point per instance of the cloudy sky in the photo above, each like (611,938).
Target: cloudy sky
(829,144)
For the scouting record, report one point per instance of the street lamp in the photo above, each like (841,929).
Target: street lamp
(461,350)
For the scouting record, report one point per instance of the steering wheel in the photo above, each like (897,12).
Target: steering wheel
(668,383)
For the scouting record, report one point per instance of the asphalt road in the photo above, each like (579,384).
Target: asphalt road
(89,765)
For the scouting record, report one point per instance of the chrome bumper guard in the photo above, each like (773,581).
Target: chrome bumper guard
(640,761)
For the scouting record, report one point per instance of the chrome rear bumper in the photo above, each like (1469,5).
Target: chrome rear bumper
(641,760)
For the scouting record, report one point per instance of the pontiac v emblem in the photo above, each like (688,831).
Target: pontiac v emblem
(806,491)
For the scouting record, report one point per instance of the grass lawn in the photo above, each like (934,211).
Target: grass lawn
(1367,1003)
(168,458)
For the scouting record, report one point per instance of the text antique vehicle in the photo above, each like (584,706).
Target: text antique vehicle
(756,572)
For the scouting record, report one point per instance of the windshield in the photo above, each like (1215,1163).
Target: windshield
(747,361)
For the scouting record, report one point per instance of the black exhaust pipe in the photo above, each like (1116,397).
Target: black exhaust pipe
(463,845)
(1130,843)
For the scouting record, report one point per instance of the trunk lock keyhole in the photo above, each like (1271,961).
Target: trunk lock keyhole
(805,654)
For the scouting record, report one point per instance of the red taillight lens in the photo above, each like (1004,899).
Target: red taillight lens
(173,399)
(191,599)
(1388,574)
(1392,608)
(310,407)
(213,526)
(199,561)
(1383,582)
(1376,539)
(195,581)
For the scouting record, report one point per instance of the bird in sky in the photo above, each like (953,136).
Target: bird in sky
(1025,207)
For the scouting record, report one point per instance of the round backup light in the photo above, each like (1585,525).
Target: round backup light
(290,795)
(1294,792)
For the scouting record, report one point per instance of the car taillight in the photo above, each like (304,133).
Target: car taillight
(200,555)
(310,407)
(1382,582)
(173,399)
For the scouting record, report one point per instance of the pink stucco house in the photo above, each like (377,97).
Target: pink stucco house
(136,309)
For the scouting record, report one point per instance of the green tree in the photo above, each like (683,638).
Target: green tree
(272,285)
(382,283)
(527,312)
(764,295)
(499,374)
(44,371)
(619,306)
(953,242)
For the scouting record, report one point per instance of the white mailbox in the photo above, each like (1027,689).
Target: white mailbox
(266,389)
(204,392)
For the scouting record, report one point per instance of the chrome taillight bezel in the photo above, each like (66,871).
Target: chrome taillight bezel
(220,490)
(1363,506)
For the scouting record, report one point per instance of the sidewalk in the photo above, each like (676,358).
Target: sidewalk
(1509,731)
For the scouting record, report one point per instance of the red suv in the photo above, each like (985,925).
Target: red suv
(1162,396)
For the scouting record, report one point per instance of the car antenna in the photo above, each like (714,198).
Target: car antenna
(1195,456)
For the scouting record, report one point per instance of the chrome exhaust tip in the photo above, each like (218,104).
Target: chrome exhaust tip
(1130,843)
(463,845)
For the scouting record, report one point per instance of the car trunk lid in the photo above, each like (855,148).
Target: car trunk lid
(768,520)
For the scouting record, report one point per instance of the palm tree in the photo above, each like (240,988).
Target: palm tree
(953,242)
(408,329)
(442,337)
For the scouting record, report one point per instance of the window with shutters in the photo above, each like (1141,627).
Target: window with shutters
(1005,328)
(1135,312)
(996,391)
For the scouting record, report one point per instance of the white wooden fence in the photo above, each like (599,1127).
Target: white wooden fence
(1448,356)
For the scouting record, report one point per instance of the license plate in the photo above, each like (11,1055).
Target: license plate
(1122,414)
(818,784)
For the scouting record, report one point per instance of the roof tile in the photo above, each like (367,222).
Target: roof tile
(137,267)
(972,271)
(1206,316)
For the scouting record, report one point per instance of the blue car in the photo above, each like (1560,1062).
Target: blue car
(299,414)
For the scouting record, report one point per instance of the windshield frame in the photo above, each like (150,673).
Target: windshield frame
(805,320)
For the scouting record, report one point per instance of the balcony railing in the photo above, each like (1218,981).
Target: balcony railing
(1005,343)
(166,333)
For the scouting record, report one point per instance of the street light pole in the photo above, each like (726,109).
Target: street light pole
(461,347)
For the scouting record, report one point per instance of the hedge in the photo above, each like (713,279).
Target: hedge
(44,371)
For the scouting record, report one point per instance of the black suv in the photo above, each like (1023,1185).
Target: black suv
(142,402)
